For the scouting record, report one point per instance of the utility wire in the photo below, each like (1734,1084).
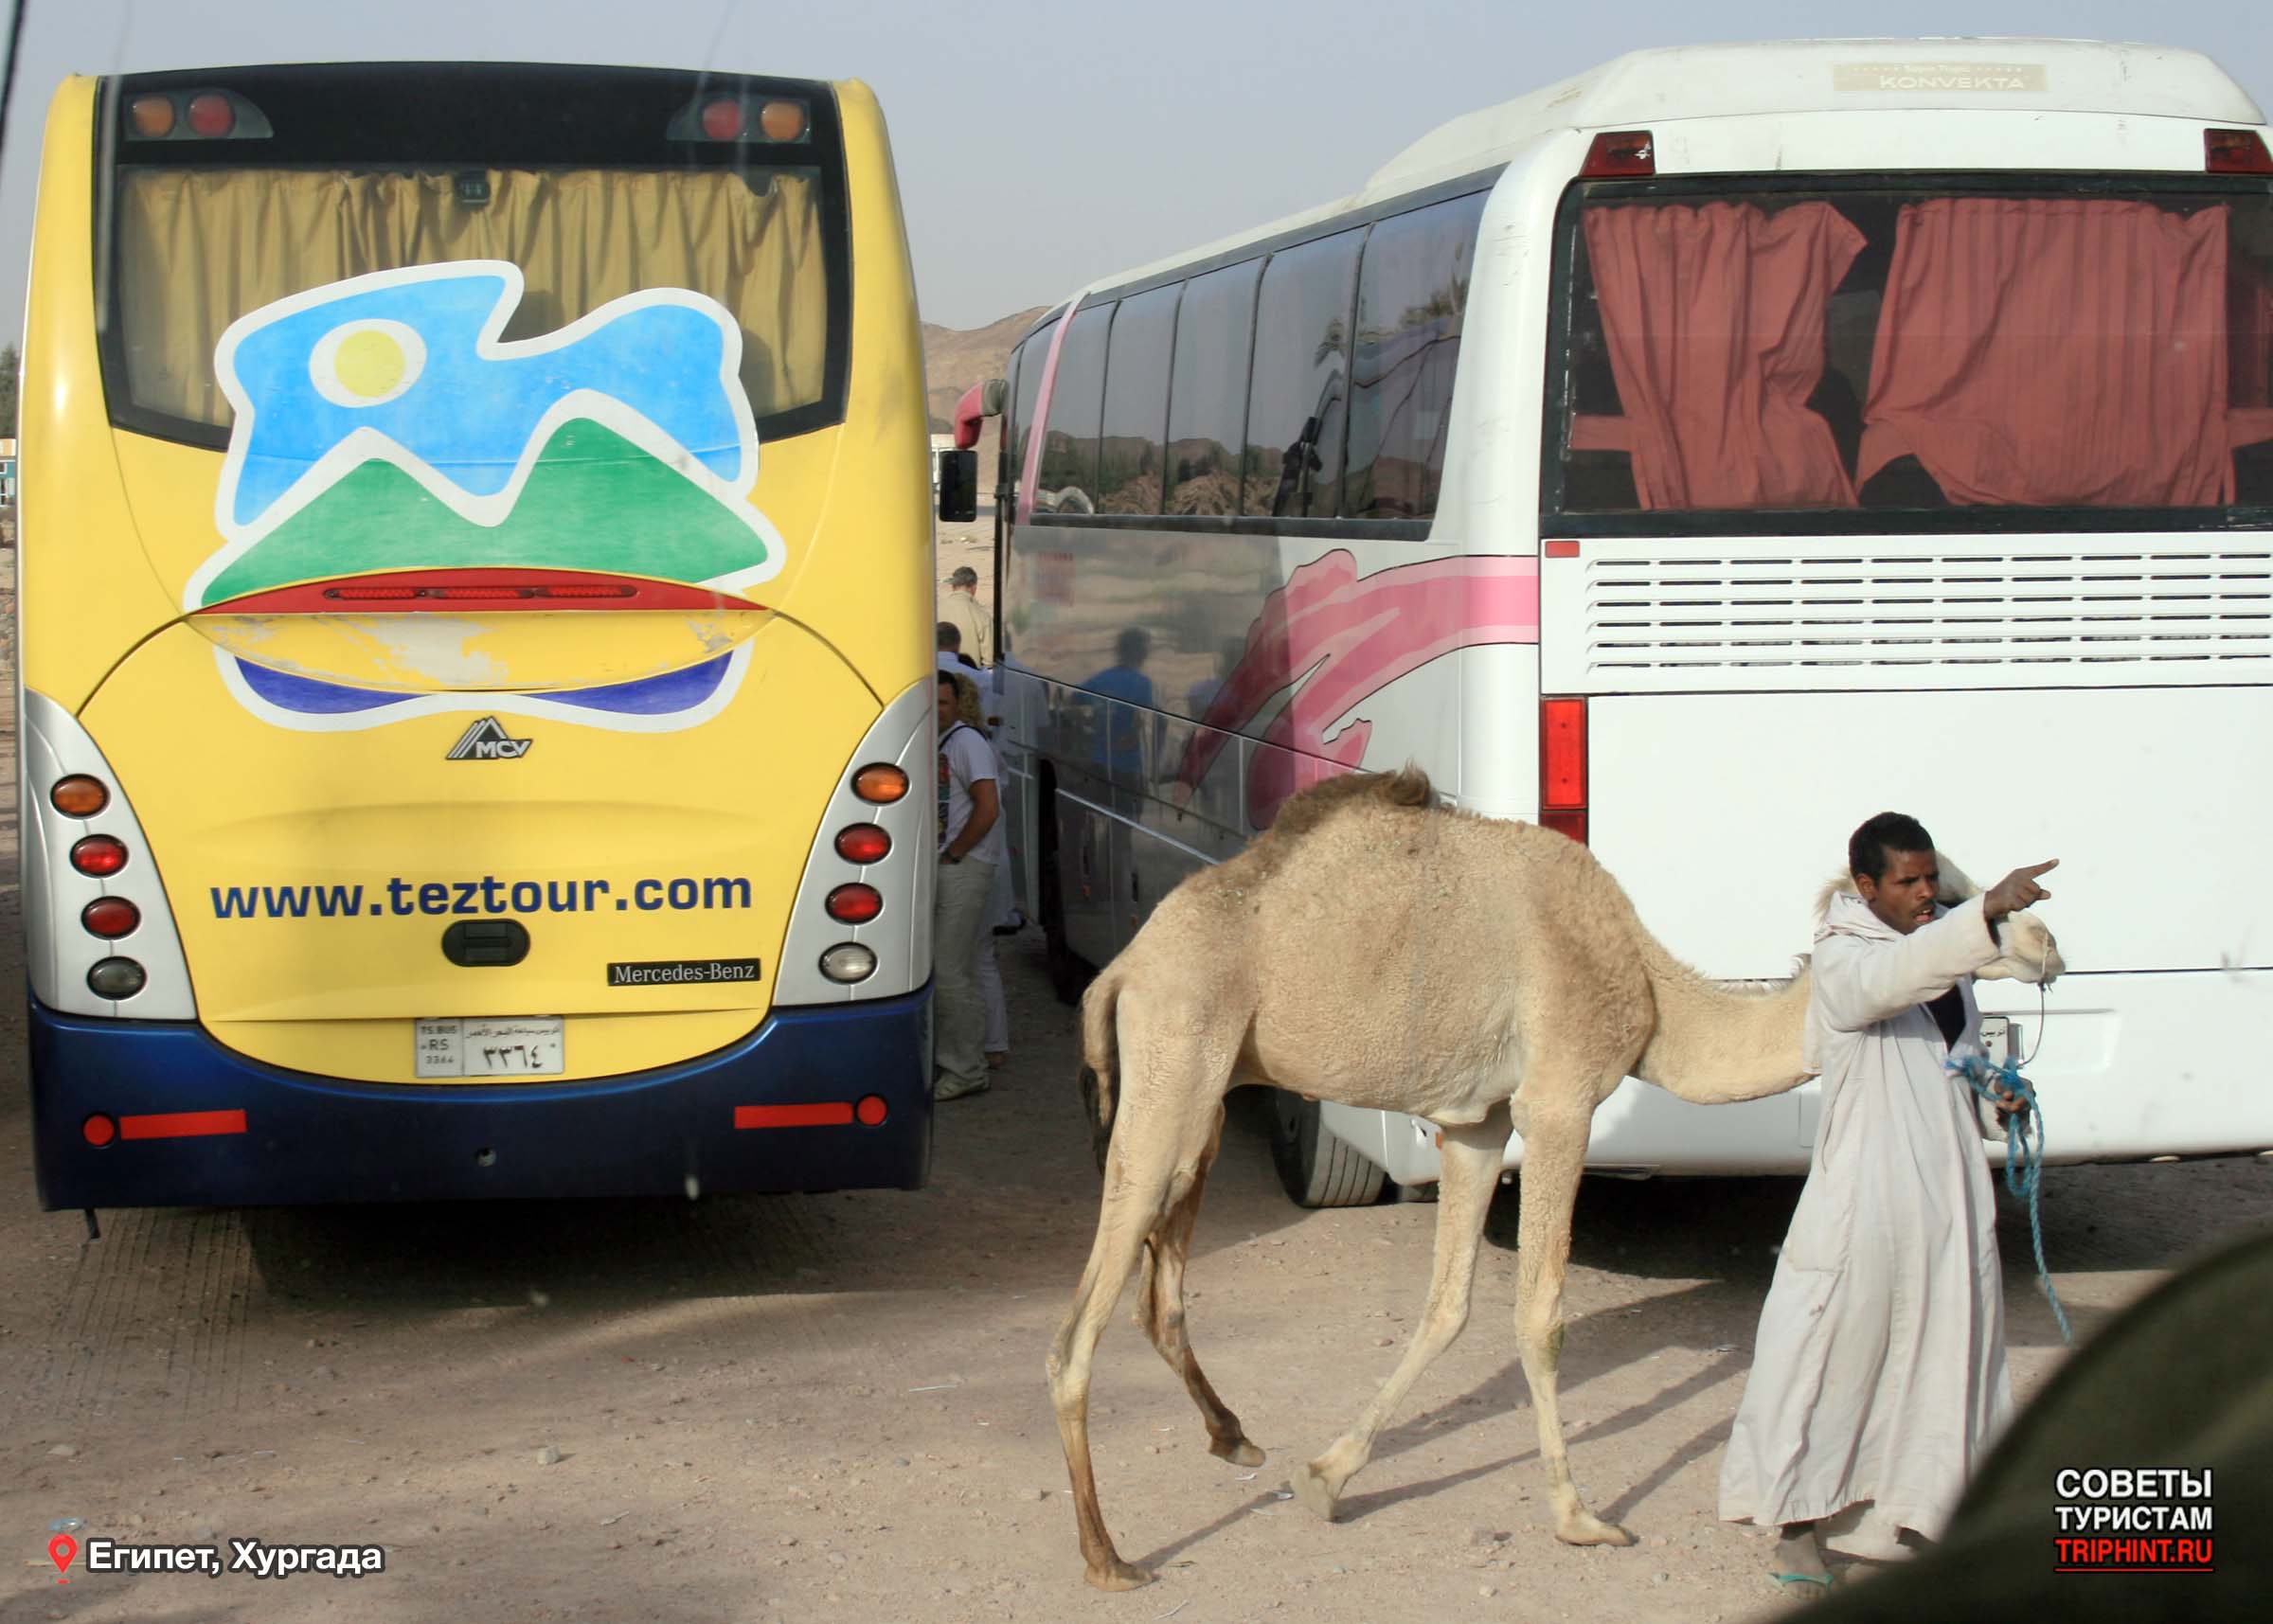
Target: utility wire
(7,81)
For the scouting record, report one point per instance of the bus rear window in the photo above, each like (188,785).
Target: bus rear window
(387,169)
(1914,357)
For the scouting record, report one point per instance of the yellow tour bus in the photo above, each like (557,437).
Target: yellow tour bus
(475,586)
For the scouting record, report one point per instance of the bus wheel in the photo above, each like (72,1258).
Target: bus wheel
(1069,972)
(1317,1169)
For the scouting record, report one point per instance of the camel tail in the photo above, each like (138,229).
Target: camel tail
(1097,1051)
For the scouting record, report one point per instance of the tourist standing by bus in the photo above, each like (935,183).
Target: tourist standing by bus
(970,849)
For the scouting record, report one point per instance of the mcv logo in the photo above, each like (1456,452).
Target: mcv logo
(487,742)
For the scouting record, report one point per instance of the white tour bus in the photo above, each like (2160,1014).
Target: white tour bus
(1699,456)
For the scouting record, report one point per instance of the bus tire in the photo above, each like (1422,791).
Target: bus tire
(1316,1167)
(1069,972)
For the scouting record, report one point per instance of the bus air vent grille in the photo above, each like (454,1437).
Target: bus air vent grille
(2177,612)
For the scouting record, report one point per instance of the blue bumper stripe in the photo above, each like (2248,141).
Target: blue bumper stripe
(312,1139)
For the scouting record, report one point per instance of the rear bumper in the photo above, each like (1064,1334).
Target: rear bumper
(308,1139)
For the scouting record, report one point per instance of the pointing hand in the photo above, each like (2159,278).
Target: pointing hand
(2016,890)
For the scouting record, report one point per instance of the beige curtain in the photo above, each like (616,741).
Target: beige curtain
(200,249)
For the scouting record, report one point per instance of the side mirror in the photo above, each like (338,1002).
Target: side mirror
(958,486)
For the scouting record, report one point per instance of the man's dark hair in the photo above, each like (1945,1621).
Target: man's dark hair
(951,636)
(1867,846)
(1133,645)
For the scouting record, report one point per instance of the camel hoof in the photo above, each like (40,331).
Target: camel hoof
(1310,1487)
(1237,1451)
(1118,1575)
(1585,1528)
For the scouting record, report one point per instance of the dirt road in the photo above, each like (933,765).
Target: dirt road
(833,1407)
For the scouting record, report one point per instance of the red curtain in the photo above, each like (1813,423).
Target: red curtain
(1713,315)
(2049,351)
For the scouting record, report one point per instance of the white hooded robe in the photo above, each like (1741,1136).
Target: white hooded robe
(1878,1377)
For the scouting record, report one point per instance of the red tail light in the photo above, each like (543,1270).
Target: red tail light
(855,904)
(429,591)
(1620,153)
(110,918)
(99,856)
(211,116)
(1563,767)
(721,119)
(863,843)
(2235,152)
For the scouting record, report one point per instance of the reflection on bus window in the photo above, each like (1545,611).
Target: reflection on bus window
(1068,482)
(1411,294)
(1136,410)
(1207,391)
(1298,401)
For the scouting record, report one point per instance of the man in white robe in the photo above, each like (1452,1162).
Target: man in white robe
(1878,1376)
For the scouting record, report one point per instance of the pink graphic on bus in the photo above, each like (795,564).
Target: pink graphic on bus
(1338,639)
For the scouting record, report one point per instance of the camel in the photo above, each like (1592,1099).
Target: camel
(1375,949)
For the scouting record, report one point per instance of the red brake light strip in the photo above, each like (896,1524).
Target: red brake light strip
(430,591)
(181,1124)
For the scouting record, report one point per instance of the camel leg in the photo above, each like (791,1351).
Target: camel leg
(1471,1162)
(1160,1310)
(1170,1108)
(1554,1156)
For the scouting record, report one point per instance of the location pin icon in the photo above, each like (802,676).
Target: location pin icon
(60,1551)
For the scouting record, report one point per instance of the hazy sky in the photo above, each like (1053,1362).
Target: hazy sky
(1041,145)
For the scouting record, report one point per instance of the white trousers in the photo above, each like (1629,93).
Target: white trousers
(958,939)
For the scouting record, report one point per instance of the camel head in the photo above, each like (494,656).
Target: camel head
(2030,955)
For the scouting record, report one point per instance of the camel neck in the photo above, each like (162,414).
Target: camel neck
(1714,1045)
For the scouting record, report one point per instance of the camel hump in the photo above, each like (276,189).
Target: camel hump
(1406,787)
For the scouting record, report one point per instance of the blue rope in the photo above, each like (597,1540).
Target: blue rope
(2024,1162)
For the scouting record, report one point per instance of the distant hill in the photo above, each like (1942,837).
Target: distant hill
(953,360)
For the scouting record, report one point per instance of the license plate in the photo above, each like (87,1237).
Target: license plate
(527,1046)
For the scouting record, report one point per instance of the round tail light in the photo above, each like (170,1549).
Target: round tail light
(781,121)
(871,1111)
(848,962)
(80,796)
(211,116)
(117,978)
(99,856)
(879,783)
(110,918)
(863,843)
(99,1130)
(721,119)
(855,904)
(151,117)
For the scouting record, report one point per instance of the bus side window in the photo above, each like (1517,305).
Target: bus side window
(1297,404)
(1208,389)
(1412,291)
(1026,386)
(1136,412)
(1068,482)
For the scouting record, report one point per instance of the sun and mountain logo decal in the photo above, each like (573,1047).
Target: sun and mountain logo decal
(382,425)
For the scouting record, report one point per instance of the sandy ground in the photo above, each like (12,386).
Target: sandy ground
(819,1407)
